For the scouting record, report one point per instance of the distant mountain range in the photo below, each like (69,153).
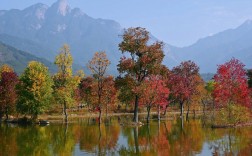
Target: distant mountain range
(18,59)
(41,30)
(219,48)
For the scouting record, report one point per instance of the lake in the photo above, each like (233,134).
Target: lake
(85,137)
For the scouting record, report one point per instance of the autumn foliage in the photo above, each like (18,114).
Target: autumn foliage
(98,65)
(65,83)
(145,59)
(143,83)
(154,93)
(231,84)
(8,93)
(183,82)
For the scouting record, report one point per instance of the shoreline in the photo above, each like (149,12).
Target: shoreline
(73,118)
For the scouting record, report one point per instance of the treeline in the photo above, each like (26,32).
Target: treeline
(144,82)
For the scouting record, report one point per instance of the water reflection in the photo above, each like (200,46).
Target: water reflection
(158,138)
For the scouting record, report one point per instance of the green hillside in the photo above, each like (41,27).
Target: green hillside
(19,59)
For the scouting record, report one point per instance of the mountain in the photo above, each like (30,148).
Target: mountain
(19,59)
(28,46)
(42,30)
(219,48)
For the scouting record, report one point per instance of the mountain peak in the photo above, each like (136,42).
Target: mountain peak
(62,7)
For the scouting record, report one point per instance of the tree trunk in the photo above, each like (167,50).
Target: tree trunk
(100,113)
(165,110)
(187,113)
(148,114)
(181,109)
(213,111)
(106,110)
(204,107)
(65,111)
(135,119)
(6,114)
(158,112)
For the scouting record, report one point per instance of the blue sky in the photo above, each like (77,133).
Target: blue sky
(177,22)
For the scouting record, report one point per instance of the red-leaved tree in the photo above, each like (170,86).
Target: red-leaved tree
(231,85)
(183,82)
(8,94)
(154,93)
(109,92)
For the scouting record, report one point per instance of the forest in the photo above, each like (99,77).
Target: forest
(144,85)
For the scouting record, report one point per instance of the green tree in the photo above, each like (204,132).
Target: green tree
(145,58)
(35,90)
(64,81)
(98,66)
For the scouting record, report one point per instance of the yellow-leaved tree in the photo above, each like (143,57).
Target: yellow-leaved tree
(64,81)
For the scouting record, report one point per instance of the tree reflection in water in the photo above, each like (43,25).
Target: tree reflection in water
(156,138)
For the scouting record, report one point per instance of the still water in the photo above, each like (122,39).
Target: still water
(85,137)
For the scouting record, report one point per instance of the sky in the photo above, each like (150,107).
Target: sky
(176,22)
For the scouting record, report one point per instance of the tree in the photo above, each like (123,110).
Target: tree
(8,94)
(154,93)
(231,87)
(145,59)
(125,85)
(109,92)
(183,82)
(64,81)
(6,68)
(35,90)
(199,98)
(86,87)
(231,84)
(98,66)
(208,97)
